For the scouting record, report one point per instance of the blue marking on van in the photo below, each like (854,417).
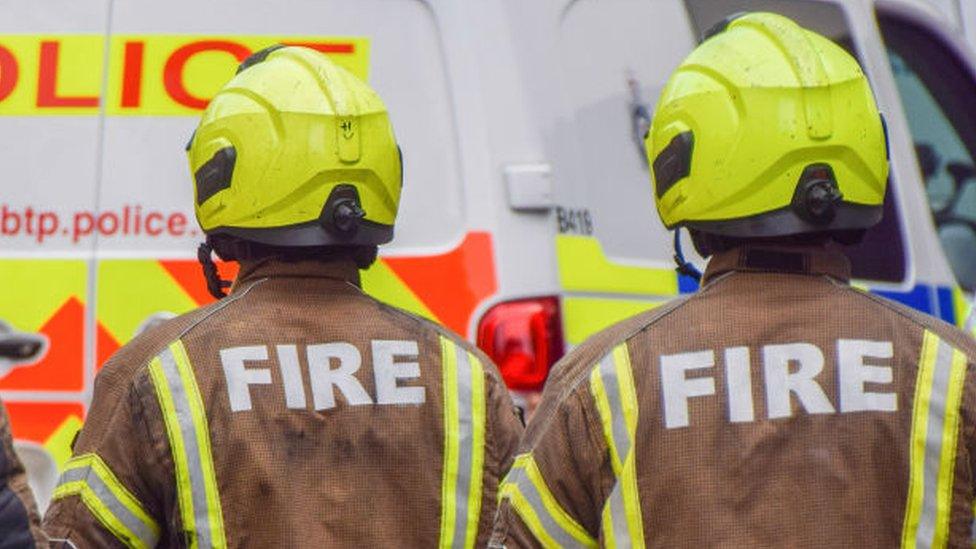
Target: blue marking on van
(934,300)
(919,297)
(947,308)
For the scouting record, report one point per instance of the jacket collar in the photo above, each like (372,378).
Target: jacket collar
(804,260)
(340,270)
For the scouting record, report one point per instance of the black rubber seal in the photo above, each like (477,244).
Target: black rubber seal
(719,28)
(257,57)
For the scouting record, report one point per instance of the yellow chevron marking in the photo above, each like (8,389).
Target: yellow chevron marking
(585,316)
(383,284)
(34,289)
(131,290)
(58,444)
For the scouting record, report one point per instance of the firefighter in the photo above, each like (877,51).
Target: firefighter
(778,406)
(20,523)
(296,411)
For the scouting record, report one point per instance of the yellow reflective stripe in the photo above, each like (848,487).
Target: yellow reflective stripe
(606,527)
(451,442)
(478,413)
(628,479)
(528,515)
(934,437)
(115,507)
(615,396)
(202,430)
(950,439)
(464,445)
(105,516)
(923,387)
(526,490)
(189,437)
(105,474)
(603,407)
(175,437)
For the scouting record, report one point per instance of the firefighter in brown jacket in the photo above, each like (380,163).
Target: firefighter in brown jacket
(20,524)
(296,411)
(778,406)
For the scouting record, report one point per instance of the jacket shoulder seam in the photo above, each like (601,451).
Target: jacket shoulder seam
(217,308)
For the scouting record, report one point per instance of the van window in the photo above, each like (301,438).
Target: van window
(881,255)
(937,92)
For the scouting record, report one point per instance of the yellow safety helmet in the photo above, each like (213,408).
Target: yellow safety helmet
(767,129)
(296,151)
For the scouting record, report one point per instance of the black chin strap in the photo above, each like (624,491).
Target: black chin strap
(684,267)
(215,285)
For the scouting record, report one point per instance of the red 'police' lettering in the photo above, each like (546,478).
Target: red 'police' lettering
(47,81)
(8,73)
(132,74)
(173,70)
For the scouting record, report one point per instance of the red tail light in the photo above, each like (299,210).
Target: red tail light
(524,338)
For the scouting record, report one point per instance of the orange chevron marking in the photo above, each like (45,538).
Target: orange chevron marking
(61,368)
(36,421)
(189,275)
(452,284)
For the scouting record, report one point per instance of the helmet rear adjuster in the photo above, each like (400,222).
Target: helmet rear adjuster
(342,214)
(816,197)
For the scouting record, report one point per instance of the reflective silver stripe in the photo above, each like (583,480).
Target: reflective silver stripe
(534,499)
(621,438)
(463,484)
(618,515)
(87,475)
(188,434)
(622,443)
(925,535)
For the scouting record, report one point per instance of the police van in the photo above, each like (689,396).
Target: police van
(527,220)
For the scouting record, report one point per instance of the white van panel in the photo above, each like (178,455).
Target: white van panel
(49,162)
(144,160)
(606,48)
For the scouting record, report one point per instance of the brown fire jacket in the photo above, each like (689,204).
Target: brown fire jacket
(776,407)
(20,524)
(297,412)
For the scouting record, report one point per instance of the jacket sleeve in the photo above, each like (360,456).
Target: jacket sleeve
(554,492)
(19,519)
(504,431)
(108,494)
